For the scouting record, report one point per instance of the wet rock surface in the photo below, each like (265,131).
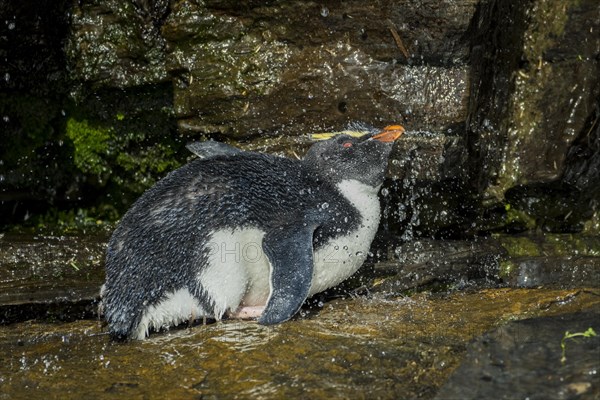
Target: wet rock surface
(392,335)
(522,359)
(501,101)
(98,99)
(49,277)
(544,88)
(360,348)
(60,276)
(428,264)
(529,261)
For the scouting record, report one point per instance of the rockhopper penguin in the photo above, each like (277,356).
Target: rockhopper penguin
(238,233)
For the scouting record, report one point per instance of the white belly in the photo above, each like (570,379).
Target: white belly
(341,257)
(238,270)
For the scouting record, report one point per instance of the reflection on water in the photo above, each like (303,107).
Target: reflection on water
(245,336)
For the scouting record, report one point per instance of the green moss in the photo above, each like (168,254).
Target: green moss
(572,245)
(560,245)
(551,245)
(91,146)
(506,269)
(548,23)
(519,246)
(518,217)
(592,227)
(95,220)
(145,165)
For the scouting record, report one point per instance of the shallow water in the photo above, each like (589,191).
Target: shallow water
(352,348)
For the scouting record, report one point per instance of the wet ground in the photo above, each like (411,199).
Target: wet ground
(519,360)
(352,348)
(377,344)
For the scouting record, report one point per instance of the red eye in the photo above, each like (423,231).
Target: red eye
(347,144)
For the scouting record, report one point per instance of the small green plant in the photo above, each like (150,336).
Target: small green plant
(563,343)
(74,266)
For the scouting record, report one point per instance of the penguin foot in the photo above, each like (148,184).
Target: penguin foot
(249,312)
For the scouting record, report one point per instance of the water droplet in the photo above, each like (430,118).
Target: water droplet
(385,192)
(324,11)
(325,206)
(11,25)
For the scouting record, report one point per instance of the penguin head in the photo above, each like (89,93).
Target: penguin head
(361,158)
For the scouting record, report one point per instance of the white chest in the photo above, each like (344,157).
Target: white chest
(341,257)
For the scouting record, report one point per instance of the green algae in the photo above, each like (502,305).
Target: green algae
(121,142)
(519,217)
(98,148)
(144,166)
(506,269)
(90,220)
(572,245)
(557,245)
(519,246)
(547,24)
(592,226)
(91,146)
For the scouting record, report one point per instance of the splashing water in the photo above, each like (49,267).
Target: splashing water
(407,211)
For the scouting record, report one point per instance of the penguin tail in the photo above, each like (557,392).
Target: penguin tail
(123,331)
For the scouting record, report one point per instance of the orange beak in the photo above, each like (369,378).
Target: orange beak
(389,133)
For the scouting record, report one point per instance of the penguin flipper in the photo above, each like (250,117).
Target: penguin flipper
(210,148)
(290,251)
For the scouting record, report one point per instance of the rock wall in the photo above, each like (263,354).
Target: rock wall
(289,67)
(501,100)
(535,92)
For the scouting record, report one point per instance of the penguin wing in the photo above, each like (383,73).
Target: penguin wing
(211,149)
(290,251)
